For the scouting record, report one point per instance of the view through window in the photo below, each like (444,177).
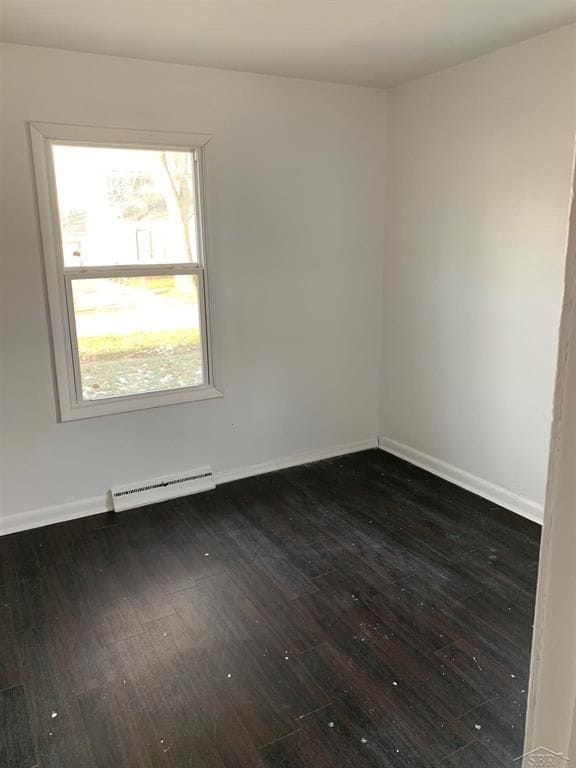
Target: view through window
(133,268)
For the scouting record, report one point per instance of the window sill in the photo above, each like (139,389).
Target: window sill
(138,403)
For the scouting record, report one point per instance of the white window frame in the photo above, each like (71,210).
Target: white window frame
(59,277)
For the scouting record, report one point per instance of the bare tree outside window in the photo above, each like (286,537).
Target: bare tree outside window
(178,168)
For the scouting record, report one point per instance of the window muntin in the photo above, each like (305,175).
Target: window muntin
(122,229)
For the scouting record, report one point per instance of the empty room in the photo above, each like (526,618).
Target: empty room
(287,384)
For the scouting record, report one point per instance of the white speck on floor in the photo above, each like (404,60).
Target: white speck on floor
(229,674)
(512,675)
(165,634)
(394,682)
(286,657)
(330,724)
(206,554)
(54,714)
(363,740)
(477,726)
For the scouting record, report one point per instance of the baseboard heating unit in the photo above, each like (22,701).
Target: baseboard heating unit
(162,488)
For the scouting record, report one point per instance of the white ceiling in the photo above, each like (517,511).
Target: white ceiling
(379,43)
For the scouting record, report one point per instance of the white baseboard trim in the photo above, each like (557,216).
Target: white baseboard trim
(59,513)
(496,493)
(307,457)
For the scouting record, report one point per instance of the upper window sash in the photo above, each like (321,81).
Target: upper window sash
(125,186)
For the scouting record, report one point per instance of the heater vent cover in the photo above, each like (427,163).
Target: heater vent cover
(162,488)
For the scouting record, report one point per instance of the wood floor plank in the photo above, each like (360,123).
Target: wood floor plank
(479,755)
(10,672)
(16,738)
(500,722)
(358,679)
(343,734)
(55,718)
(215,711)
(132,710)
(481,671)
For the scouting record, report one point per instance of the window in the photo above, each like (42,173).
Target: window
(124,247)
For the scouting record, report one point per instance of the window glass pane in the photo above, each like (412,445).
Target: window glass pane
(137,334)
(125,206)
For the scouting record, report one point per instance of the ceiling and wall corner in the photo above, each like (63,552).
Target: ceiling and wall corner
(378,43)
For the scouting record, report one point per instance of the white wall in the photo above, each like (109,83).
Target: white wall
(479,170)
(295,189)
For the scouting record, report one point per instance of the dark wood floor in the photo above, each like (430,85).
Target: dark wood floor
(354,612)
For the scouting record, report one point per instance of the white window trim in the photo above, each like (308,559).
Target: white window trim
(58,279)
